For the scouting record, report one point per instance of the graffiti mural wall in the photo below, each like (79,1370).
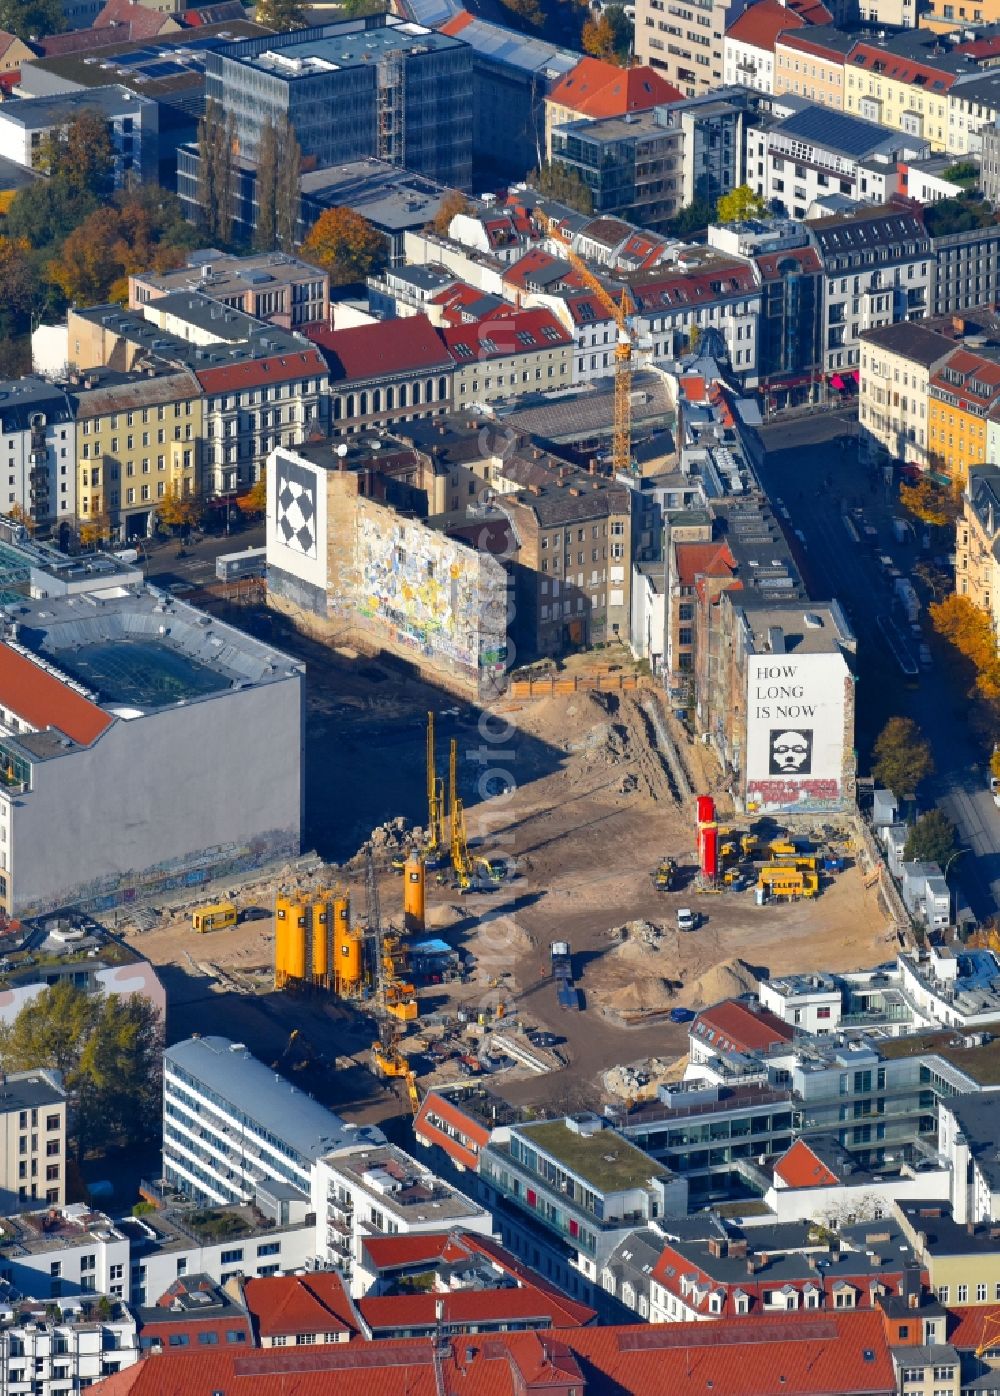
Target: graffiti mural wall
(437,596)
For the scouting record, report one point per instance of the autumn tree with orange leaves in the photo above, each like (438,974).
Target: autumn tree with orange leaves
(346,245)
(969,629)
(930,502)
(140,231)
(609,36)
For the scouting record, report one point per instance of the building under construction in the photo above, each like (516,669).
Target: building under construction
(363,88)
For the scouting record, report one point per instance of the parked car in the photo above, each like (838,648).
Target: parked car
(681,1015)
(687,920)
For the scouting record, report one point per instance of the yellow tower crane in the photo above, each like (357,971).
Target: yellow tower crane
(435,797)
(620,311)
(461,862)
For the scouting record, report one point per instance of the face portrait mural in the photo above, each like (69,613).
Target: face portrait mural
(790,752)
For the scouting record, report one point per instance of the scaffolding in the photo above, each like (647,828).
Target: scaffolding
(391,107)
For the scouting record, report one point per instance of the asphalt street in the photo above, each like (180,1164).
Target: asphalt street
(818,480)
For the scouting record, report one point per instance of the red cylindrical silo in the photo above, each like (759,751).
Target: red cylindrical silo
(708,849)
(706,809)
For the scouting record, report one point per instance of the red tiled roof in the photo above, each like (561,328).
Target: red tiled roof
(736,1027)
(457,23)
(985,372)
(6,40)
(595,88)
(83,41)
(696,560)
(771,264)
(219,13)
(760,24)
(812,11)
(143,22)
(390,1313)
(44,701)
(287,1304)
(407,345)
(693,288)
(799,1167)
(834,1354)
(257,373)
(525,332)
(889,65)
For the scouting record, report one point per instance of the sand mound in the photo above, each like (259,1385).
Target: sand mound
(637,998)
(637,942)
(724,981)
(443,915)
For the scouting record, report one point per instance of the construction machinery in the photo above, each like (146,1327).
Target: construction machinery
(986,938)
(387,1059)
(415,892)
(461,860)
(621,312)
(666,872)
(788,883)
(434,843)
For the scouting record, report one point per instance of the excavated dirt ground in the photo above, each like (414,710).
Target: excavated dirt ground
(591,811)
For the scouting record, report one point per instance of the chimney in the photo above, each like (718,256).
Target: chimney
(738,1249)
(592,466)
(751,1265)
(717,1246)
(574,491)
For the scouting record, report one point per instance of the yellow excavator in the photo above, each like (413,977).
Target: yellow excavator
(467,867)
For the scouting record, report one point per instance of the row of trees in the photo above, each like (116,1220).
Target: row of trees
(902,763)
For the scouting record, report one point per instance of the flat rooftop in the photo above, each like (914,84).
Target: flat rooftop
(334,46)
(34,1233)
(588,413)
(216,274)
(605,1160)
(403,1187)
(805,628)
(389,197)
(177,1228)
(980,1062)
(39,113)
(135,649)
(27,1090)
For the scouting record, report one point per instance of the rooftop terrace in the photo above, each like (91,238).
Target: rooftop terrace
(604,1159)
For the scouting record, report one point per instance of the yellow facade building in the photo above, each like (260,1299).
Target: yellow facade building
(138,443)
(945,15)
(977,542)
(960,396)
(899,93)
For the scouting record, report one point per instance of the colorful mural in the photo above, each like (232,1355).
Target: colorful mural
(436,595)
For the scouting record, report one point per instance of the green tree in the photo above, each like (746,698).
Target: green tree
(32,19)
(265,232)
(280,15)
(109,1052)
(346,245)
(692,218)
(360,9)
(528,14)
(80,155)
(47,211)
(216,172)
(931,840)
(739,205)
(288,188)
(559,181)
(902,757)
(609,35)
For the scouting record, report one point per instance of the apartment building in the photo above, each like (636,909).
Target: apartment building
(572,577)
(64,1347)
(903,93)
(262,386)
(713,127)
(683,42)
(961,1258)
(369,87)
(973,106)
(961,394)
(508,356)
(38,455)
(790,327)
(271,286)
(813,153)
(230,1125)
(977,542)
(32,1140)
(897,363)
(810,62)
(132,122)
(878,269)
(783,716)
(748,44)
(595,90)
(966,267)
(139,440)
(382,374)
(581,1185)
(378,1190)
(632,165)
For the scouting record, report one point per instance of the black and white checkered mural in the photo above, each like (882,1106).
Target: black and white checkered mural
(296,501)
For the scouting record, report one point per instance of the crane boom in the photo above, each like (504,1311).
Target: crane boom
(619,311)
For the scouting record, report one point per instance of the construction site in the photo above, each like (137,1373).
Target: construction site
(535,894)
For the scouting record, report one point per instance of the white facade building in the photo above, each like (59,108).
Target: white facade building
(45,1356)
(230,1125)
(37,453)
(385,1191)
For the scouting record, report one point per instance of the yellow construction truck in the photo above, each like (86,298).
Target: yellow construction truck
(787,883)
